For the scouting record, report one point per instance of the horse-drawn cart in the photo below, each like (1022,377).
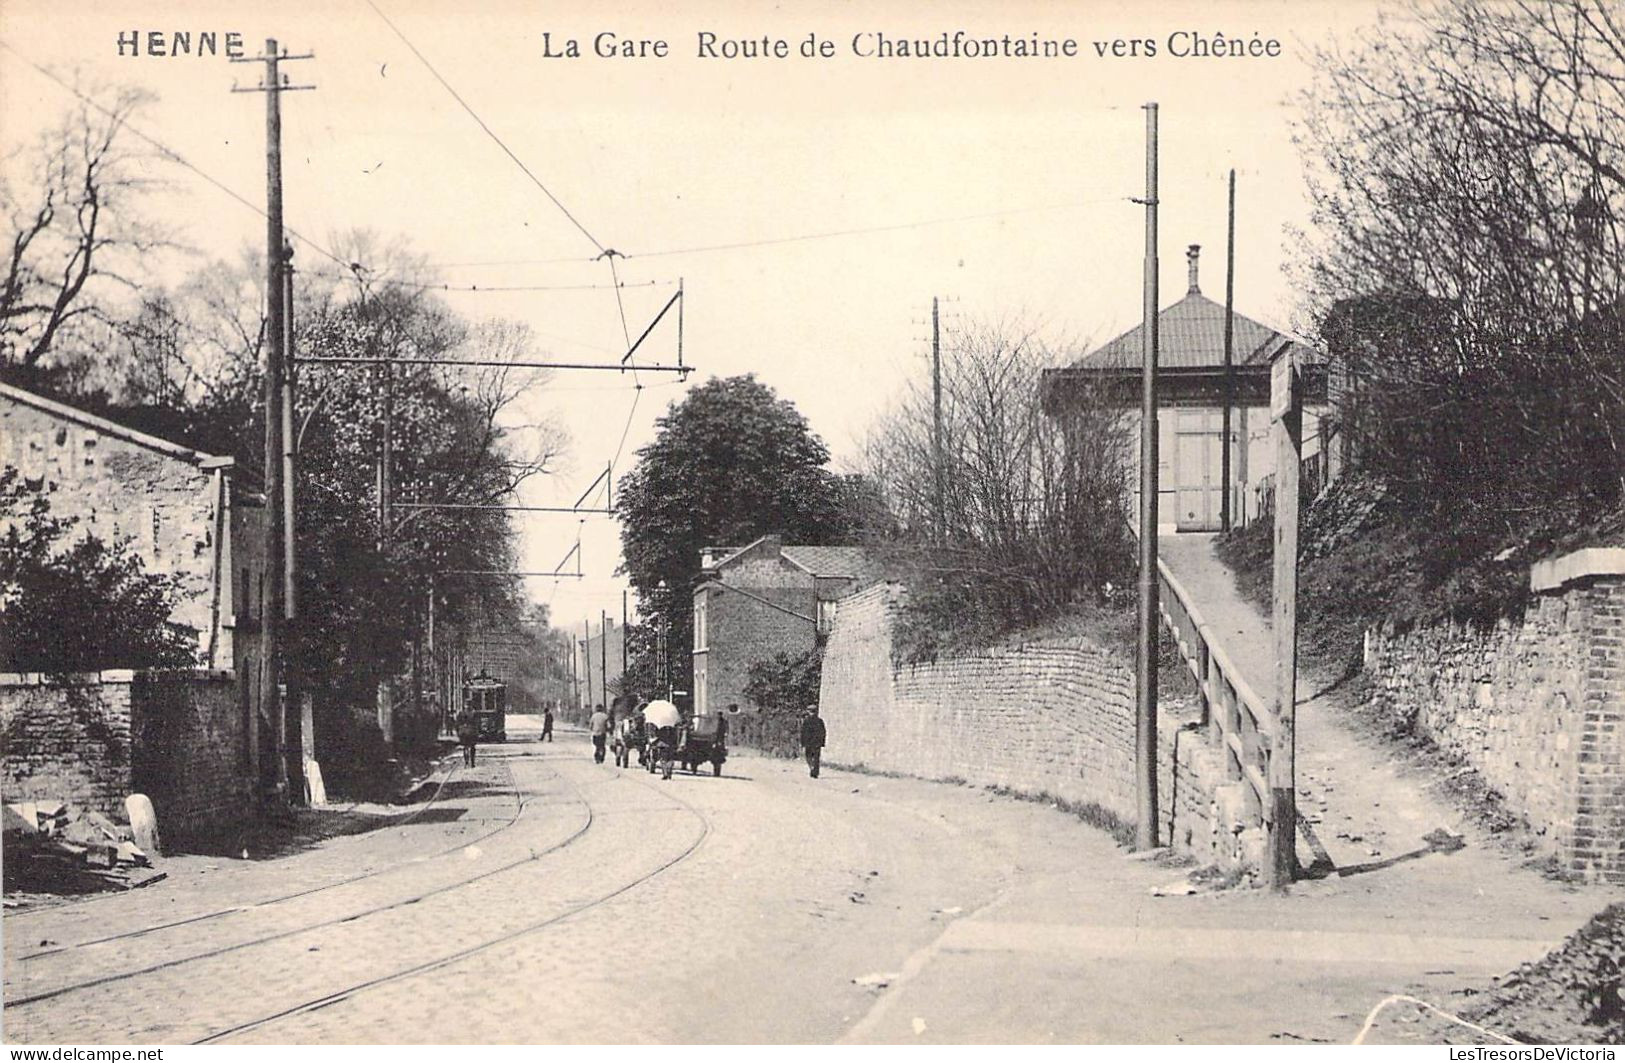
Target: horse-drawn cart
(705,738)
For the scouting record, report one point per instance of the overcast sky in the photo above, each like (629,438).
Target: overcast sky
(1007,179)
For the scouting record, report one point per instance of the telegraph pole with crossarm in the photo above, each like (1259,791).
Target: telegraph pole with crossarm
(276,329)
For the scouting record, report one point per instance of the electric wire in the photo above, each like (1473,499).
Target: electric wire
(170,153)
(488,130)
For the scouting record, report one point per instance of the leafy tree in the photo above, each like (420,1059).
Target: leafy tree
(731,463)
(77,604)
(781,689)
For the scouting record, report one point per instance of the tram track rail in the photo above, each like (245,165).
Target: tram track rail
(449,959)
(55,909)
(15,1002)
(270,902)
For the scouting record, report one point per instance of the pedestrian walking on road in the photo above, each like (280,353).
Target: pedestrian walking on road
(468,736)
(812,739)
(547,724)
(599,725)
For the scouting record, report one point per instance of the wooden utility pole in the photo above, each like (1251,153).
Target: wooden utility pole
(1145,731)
(294,739)
(624,617)
(1286,411)
(1229,359)
(273,603)
(603,653)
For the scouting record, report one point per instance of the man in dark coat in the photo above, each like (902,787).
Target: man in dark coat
(812,739)
(468,736)
(547,724)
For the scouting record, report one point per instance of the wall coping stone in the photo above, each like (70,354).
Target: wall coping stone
(114,676)
(1557,572)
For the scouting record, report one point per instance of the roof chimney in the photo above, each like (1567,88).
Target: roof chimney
(1192,254)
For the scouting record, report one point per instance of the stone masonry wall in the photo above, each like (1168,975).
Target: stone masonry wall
(158,506)
(67,740)
(1536,706)
(93,739)
(1053,718)
(190,750)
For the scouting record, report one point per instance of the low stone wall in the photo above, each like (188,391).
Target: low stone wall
(1054,717)
(67,739)
(1535,706)
(92,739)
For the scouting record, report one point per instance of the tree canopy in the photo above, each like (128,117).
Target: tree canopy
(1467,169)
(730,463)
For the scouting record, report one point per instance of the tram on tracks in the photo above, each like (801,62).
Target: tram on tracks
(487,699)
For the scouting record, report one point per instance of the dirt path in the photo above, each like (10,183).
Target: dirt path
(1366,807)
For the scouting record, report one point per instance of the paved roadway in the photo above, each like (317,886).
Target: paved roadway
(543,898)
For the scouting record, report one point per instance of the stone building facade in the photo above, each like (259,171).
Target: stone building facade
(185,515)
(755,602)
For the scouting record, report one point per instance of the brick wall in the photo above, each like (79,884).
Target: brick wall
(1536,706)
(1598,848)
(94,739)
(742,630)
(1053,717)
(190,750)
(67,740)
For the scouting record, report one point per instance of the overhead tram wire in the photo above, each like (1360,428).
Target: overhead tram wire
(438,286)
(800,237)
(517,161)
(170,153)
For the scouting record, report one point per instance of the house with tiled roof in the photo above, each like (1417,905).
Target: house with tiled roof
(1194,390)
(754,602)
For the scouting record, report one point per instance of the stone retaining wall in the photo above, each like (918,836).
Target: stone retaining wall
(1054,717)
(1536,706)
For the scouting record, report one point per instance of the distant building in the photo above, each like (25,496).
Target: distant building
(1191,387)
(754,602)
(598,662)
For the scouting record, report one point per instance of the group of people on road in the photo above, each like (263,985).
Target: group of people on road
(813,735)
(468,732)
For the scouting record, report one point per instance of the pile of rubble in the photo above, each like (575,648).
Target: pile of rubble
(1575,995)
(56,847)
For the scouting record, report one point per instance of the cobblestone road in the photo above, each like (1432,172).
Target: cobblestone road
(545,898)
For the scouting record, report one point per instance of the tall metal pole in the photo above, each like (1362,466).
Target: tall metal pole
(294,721)
(275,354)
(1229,359)
(603,653)
(624,618)
(1145,732)
(936,420)
(586,658)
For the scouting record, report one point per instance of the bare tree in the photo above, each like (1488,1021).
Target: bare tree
(1022,516)
(72,230)
(1466,264)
